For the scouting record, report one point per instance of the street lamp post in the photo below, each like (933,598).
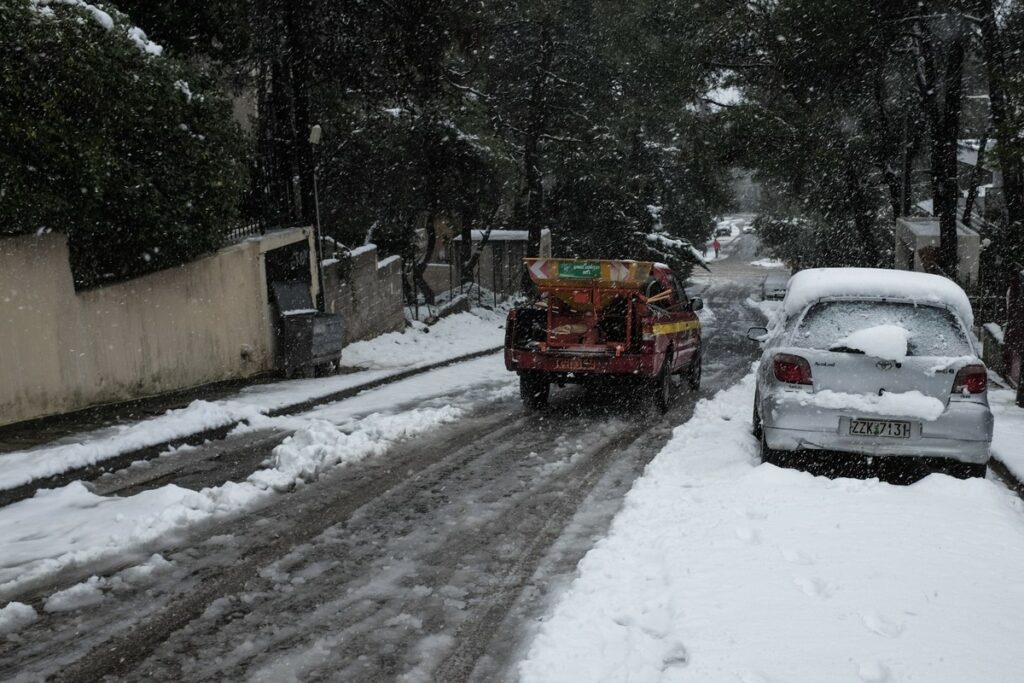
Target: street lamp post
(315,133)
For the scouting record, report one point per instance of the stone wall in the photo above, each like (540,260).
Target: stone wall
(63,350)
(367,292)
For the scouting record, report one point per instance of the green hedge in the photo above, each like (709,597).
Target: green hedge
(102,137)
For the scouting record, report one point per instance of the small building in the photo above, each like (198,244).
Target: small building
(917,248)
(500,266)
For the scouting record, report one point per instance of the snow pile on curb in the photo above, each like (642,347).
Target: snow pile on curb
(64,527)
(22,467)
(721,569)
(456,335)
(391,353)
(1008,434)
(16,616)
(309,452)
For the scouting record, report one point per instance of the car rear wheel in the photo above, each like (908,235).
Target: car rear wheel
(967,470)
(758,427)
(767,454)
(534,389)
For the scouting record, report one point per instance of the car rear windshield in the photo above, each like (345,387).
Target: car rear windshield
(933,331)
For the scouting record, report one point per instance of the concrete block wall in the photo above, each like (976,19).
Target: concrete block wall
(64,350)
(367,292)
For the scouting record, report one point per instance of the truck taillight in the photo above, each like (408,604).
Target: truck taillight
(791,369)
(972,379)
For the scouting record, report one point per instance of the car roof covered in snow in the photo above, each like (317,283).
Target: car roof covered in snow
(813,284)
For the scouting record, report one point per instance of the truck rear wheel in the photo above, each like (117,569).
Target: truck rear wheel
(534,389)
(663,386)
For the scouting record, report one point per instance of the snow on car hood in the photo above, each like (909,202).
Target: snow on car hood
(808,286)
(888,342)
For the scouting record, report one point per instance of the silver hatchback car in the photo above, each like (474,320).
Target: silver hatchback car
(873,362)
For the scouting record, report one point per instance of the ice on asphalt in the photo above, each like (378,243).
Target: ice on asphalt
(719,568)
(70,525)
(378,358)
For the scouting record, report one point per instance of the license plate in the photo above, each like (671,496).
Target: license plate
(889,429)
(574,364)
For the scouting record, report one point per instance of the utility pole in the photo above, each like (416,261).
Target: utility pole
(315,133)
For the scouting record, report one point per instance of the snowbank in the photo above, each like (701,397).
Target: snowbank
(1008,432)
(810,285)
(71,526)
(721,569)
(768,263)
(380,357)
(16,616)
(456,335)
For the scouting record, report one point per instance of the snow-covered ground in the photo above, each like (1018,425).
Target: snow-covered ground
(1008,434)
(70,525)
(768,263)
(735,225)
(378,358)
(719,568)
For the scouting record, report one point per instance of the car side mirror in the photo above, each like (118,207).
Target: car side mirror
(757,333)
(696,303)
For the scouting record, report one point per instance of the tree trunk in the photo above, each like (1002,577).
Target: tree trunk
(534,185)
(299,72)
(976,175)
(947,189)
(944,127)
(421,266)
(1011,166)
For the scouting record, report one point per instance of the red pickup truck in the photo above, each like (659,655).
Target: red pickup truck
(591,319)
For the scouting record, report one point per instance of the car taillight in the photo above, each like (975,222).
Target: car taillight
(791,369)
(972,379)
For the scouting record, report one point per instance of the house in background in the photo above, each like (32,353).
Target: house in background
(499,267)
(917,247)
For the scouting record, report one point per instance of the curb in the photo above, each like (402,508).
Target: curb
(28,490)
(1003,472)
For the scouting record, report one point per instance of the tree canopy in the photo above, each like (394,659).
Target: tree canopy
(111,142)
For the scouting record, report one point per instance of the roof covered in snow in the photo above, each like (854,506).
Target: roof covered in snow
(808,286)
(504,235)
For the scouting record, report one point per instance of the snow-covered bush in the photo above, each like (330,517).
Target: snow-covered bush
(104,138)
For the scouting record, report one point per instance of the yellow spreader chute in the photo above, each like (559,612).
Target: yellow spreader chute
(557,272)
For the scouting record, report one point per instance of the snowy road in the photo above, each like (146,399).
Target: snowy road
(429,561)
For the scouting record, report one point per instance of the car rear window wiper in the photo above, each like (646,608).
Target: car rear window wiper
(845,349)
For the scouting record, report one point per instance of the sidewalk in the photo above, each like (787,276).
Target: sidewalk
(1008,437)
(368,363)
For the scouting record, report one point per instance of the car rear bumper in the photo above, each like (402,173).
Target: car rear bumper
(963,432)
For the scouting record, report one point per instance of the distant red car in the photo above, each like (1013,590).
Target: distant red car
(629,319)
